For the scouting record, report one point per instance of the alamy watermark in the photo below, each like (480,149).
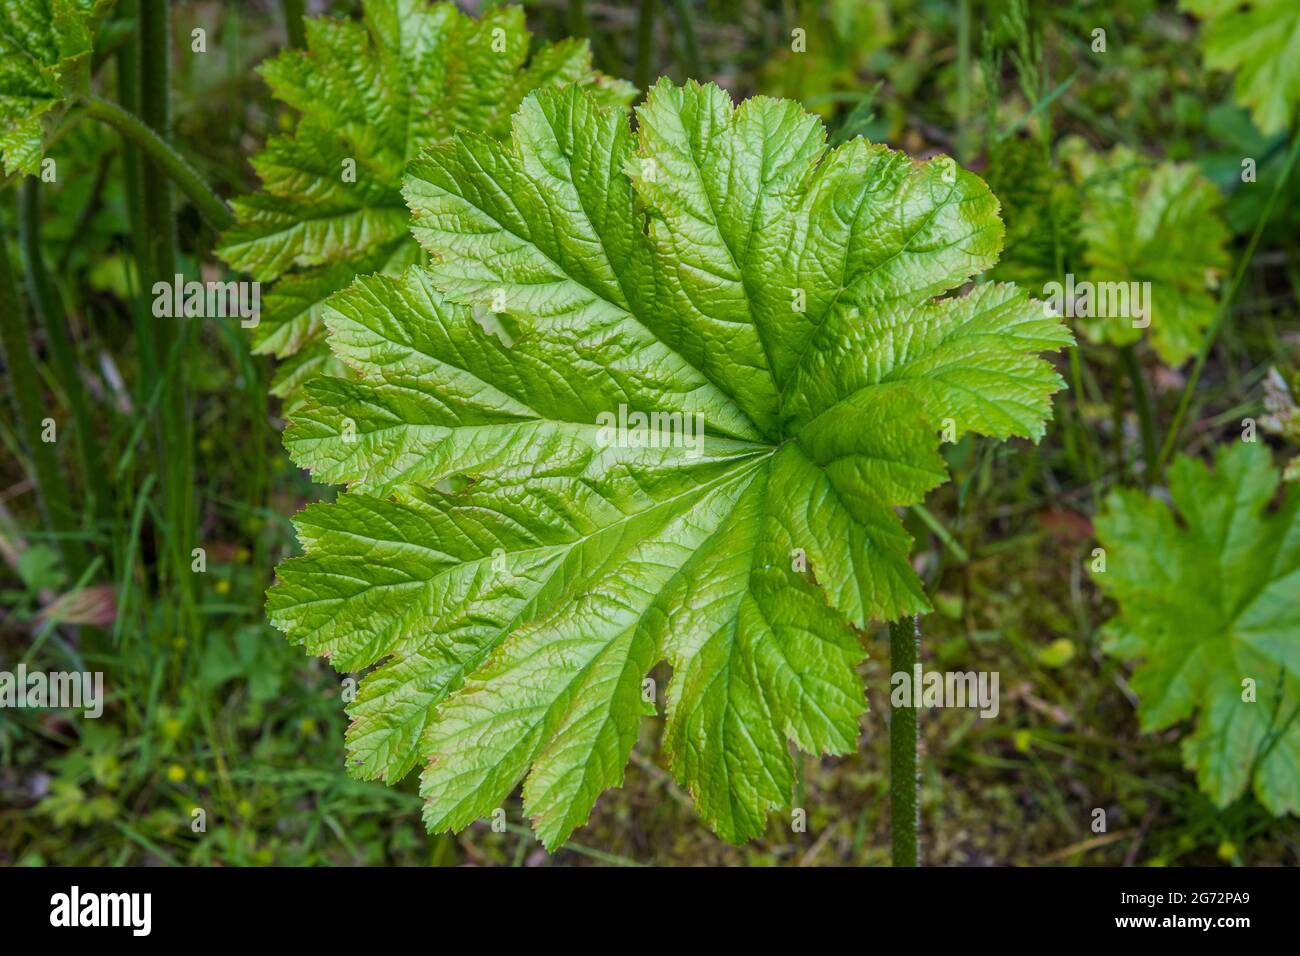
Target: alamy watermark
(77,690)
(946,689)
(208,300)
(629,429)
(134,911)
(1099,300)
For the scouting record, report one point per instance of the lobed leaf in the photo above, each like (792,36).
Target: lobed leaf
(1260,40)
(1209,597)
(515,565)
(372,94)
(1161,225)
(45,50)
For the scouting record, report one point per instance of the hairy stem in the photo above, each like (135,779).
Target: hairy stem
(904,806)
(164,158)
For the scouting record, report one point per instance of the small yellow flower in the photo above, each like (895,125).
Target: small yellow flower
(1227,851)
(1022,740)
(200,777)
(244,808)
(223,587)
(176,773)
(307,726)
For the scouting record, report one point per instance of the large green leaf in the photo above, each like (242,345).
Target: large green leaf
(370,95)
(45,50)
(1209,597)
(515,568)
(1260,40)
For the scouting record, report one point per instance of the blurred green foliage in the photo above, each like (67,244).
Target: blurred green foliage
(213,711)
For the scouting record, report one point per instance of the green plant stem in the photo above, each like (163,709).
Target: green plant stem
(904,806)
(293,24)
(578,23)
(173,423)
(1117,407)
(94,204)
(963,80)
(163,157)
(1146,418)
(645,39)
(49,308)
(128,92)
(1225,305)
(1040,106)
(25,386)
(1079,421)
(690,44)
(150,133)
(942,533)
(1078,438)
